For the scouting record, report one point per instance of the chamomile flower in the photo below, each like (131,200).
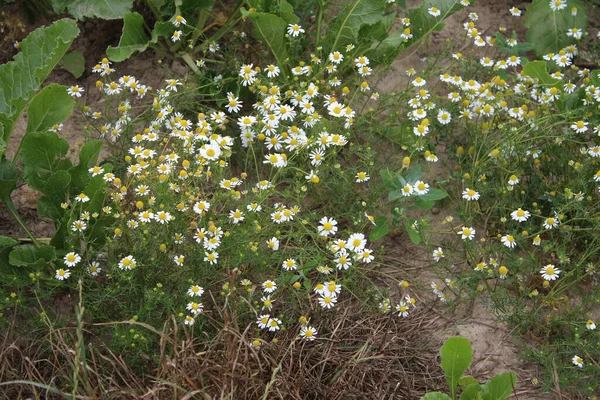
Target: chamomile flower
(127,263)
(402,309)
(78,226)
(515,12)
(513,180)
(421,188)
(179,20)
(94,268)
(163,217)
(179,260)
(342,261)
(289,265)
(195,308)
(273,243)
(434,11)
(236,216)
(75,91)
(328,300)
(509,241)
(269,286)
(272,71)
(580,126)
(82,198)
(62,274)
(328,226)
(550,272)
(438,254)
(212,258)
(176,36)
(362,177)
(470,194)
(356,242)
(520,215)
(590,325)
(467,233)
(502,272)
(72,259)
(336,57)
(557,5)
(294,30)
(308,332)
(577,361)
(201,207)
(444,117)
(274,324)
(365,255)
(195,290)
(550,223)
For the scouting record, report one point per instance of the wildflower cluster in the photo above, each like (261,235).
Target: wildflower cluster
(214,197)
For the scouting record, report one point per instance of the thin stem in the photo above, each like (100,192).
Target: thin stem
(15,214)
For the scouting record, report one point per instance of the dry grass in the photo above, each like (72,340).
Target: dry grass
(364,355)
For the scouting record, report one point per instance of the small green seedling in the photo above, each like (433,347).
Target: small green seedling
(457,356)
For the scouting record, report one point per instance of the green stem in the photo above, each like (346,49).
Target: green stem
(320,21)
(11,208)
(190,62)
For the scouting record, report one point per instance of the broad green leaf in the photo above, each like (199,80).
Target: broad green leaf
(414,174)
(500,386)
(88,156)
(422,22)
(133,38)
(414,236)
(52,105)
(270,29)
(345,27)
(55,193)
(539,72)
(6,242)
(546,29)
(467,380)
(471,392)
(286,11)
(422,204)
(74,62)
(456,358)
(98,232)
(42,155)
(377,31)
(20,78)
(502,45)
(433,194)
(380,229)
(394,195)
(387,49)
(104,9)
(6,245)
(390,180)
(436,396)
(196,12)
(95,190)
(9,176)
(162,29)
(30,255)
